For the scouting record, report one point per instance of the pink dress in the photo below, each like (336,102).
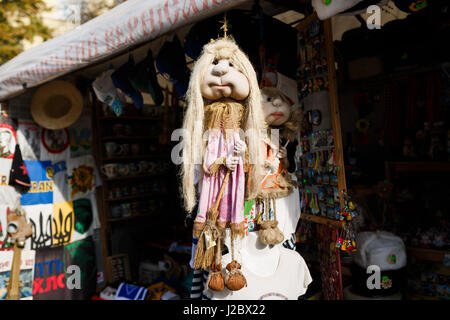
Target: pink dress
(231,207)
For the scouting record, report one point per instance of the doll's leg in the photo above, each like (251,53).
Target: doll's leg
(237,208)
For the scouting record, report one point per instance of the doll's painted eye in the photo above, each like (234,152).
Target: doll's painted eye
(215,61)
(230,64)
(269,99)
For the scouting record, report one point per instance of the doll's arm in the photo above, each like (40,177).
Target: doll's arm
(240,147)
(211,163)
(282,153)
(212,160)
(230,162)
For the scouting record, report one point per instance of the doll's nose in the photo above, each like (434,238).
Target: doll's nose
(276,102)
(221,67)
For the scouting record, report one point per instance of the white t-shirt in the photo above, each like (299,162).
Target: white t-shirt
(60,184)
(288,282)
(29,139)
(41,218)
(5,170)
(54,144)
(82,167)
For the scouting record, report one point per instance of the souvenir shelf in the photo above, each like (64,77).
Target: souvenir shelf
(323,220)
(137,196)
(133,216)
(132,155)
(132,177)
(142,156)
(435,255)
(122,117)
(415,166)
(320,161)
(130,138)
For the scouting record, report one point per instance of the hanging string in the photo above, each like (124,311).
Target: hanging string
(219,251)
(274,209)
(224,26)
(232,249)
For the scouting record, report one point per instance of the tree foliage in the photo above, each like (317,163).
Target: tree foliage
(94,8)
(20,20)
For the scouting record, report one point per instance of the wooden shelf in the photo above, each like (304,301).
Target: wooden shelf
(158,245)
(147,175)
(130,117)
(133,216)
(143,156)
(136,196)
(322,220)
(415,166)
(346,271)
(434,255)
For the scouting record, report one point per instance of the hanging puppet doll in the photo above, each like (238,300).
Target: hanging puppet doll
(223,102)
(277,185)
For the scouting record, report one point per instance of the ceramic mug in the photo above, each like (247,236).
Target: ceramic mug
(135,206)
(125,191)
(128,130)
(117,192)
(123,150)
(152,166)
(118,129)
(125,209)
(116,211)
(144,165)
(162,167)
(109,170)
(135,148)
(135,168)
(123,169)
(113,149)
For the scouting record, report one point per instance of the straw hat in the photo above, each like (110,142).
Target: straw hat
(56,105)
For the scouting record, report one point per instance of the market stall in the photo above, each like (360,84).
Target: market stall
(91,155)
(50,119)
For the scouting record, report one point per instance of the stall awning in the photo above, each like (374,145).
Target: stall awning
(131,23)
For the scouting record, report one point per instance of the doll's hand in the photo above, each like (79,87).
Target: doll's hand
(240,147)
(282,153)
(231,163)
(272,165)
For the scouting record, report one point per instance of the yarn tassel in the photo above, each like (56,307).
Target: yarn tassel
(270,234)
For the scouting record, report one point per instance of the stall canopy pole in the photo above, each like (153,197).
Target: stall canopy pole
(334,107)
(130,23)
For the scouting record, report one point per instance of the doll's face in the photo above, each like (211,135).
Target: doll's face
(224,80)
(276,109)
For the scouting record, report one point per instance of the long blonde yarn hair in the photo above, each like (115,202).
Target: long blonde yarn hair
(253,118)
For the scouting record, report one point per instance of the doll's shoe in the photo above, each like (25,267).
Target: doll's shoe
(216,280)
(235,280)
